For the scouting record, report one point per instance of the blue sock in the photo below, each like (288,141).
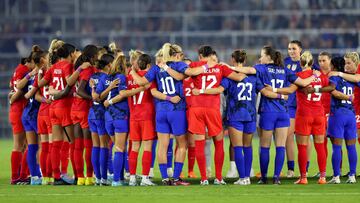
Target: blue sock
(104,153)
(123,166)
(31,159)
(118,165)
(264,161)
(352,156)
(153,153)
(95,160)
(38,170)
(291,165)
(126,164)
(307,166)
(170,153)
(239,161)
(336,159)
(178,166)
(248,158)
(163,170)
(279,161)
(110,160)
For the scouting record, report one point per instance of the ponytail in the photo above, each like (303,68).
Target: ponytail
(275,55)
(306,59)
(239,56)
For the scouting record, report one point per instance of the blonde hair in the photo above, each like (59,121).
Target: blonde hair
(55,44)
(306,59)
(170,50)
(134,55)
(354,56)
(119,63)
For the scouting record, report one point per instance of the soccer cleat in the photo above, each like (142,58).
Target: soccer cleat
(241,181)
(208,172)
(118,183)
(232,174)
(60,181)
(263,181)
(290,174)
(145,181)
(204,182)
(21,181)
(127,176)
(80,181)
(247,181)
(351,179)
(335,180)
(105,182)
(322,181)
(151,173)
(219,182)
(179,181)
(97,182)
(132,181)
(35,180)
(51,181)
(45,181)
(191,174)
(167,181)
(110,177)
(170,172)
(276,181)
(301,181)
(89,181)
(67,178)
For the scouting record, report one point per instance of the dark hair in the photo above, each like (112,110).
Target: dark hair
(65,50)
(23,60)
(206,51)
(105,60)
(239,55)
(325,53)
(88,55)
(143,61)
(274,54)
(297,42)
(338,63)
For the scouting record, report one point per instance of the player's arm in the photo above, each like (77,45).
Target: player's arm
(270,94)
(286,90)
(217,90)
(40,98)
(349,77)
(82,92)
(310,90)
(138,79)
(15,96)
(161,96)
(71,80)
(105,93)
(173,73)
(59,94)
(22,83)
(196,71)
(248,70)
(342,96)
(31,93)
(236,76)
(123,94)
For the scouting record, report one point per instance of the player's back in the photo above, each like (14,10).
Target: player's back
(346,87)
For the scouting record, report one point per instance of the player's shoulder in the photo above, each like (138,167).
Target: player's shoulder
(197,64)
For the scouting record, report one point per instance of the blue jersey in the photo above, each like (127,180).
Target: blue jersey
(241,99)
(277,77)
(346,87)
(32,107)
(294,67)
(97,109)
(168,85)
(119,110)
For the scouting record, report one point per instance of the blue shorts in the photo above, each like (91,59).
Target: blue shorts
(273,120)
(248,127)
(29,125)
(292,111)
(121,126)
(342,126)
(97,126)
(110,129)
(172,122)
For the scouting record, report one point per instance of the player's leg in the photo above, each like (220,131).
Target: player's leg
(290,146)
(265,143)
(120,148)
(302,142)
(248,154)
(191,155)
(19,140)
(78,154)
(163,143)
(181,141)
(280,142)
(236,137)
(336,159)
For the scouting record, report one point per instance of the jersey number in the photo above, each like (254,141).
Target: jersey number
(141,95)
(274,82)
(348,91)
(243,87)
(59,83)
(168,85)
(204,79)
(316,97)
(187,92)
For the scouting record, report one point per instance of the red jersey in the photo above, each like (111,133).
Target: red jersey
(19,73)
(81,104)
(310,104)
(325,96)
(56,77)
(44,92)
(356,102)
(211,79)
(141,105)
(188,85)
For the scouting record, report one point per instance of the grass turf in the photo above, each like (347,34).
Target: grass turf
(287,192)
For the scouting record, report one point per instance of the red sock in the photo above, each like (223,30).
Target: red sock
(219,158)
(133,156)
(43,157)
(72,159)
(146,163)
(55,158)
(48,162)
(302,159)
(325,145)
(15,164)
(130,145)
(88,149)
(200,157)
(79,157)
(191,158)
(321,158)
(359,140)
(64,156)
(24,171)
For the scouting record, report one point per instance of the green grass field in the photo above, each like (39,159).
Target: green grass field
(287,192)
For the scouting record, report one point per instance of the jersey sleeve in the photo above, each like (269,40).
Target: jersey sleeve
(226,71)
(151,74)
(122,83)
(100,87)
(181,67)
(47,75)
(85,74)
(290,76)
(153,85)
(333,80)
(225,83)
(259,80)
(68,70)
(20,73)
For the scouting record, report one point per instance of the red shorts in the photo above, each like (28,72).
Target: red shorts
(44,125)
(142,130)
(60,116)
(200,118)
(80,117)
(16,123)
(308,125)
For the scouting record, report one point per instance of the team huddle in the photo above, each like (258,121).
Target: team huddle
(98,109)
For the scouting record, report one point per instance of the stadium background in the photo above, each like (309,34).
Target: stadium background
(146,24)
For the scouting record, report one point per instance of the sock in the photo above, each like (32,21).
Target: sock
(321,158)
(177,169)
(359,140)
(24,167)
(146,163)
(72,159)
(335,160)
(352,156)
(79,157)
(291,165)
(49,170)
(325,146)
(307,166)
(110,159)
(88,151)
(264,161)
(207,152)
(239,161)
(191,158)
(95,160)
(15,164)
(55,158)
(118,165)
(64,156)
(279,161)
(219,158)
(248,157)
(126,164)
(163,171)
(153,153)
(104,153)
(170,153)
(302,159)
(43,157)
(122,170)
(200,157)
(133,159)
